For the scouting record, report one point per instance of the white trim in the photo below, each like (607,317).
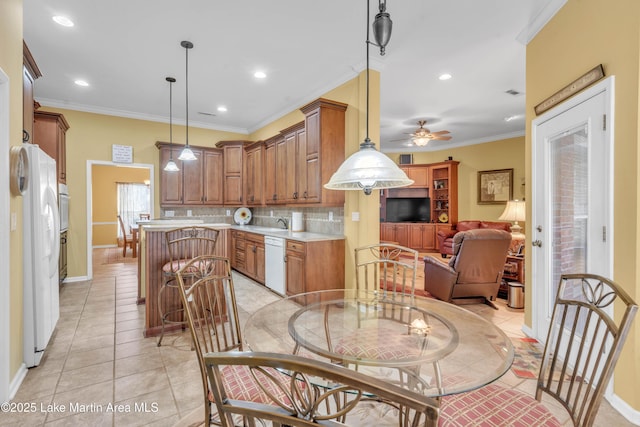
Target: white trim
(444,145)
(17,380)
(540,20)
(76,279)
(5,214)
(90,164)
(631,414)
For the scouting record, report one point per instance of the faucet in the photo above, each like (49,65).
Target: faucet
(284,222)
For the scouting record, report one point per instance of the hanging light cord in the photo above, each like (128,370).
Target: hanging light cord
(170,80)
(186,82)
(367,142)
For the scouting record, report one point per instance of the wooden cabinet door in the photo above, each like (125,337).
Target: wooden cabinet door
(402,234)
(295,272)
(250,258)
(212,177)
(49,132)
(233,155)
(27,104)
(428,236)
(419,174)
(290,142)
(269,174)
(281,171)
(253,174)
(388,231)
(415,236)
(192,188)
(260,263)
(170,182)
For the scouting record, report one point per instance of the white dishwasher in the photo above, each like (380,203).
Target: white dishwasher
(275,274)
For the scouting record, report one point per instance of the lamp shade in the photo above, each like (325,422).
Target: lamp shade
(514,211)
(368,169)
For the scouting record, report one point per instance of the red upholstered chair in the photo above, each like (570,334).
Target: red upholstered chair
(583,345)
(445,237)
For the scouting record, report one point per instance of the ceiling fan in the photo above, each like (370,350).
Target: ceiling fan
(422,135)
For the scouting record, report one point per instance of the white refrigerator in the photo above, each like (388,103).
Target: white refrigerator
(41,248)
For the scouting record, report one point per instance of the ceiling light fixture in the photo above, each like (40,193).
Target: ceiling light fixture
(63,20)
(222,109)
(259,75)
(186,153)
(445,76)
(369,169)
(171,165)
(81,83)
(421,141)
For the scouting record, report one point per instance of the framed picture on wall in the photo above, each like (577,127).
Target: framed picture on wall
(495,187)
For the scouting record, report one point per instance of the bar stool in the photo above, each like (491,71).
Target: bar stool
(183,244)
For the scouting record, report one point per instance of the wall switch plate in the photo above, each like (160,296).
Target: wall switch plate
(228,212)
(330,216)
(189,212)
(271,214)
(355,216)
(169,213)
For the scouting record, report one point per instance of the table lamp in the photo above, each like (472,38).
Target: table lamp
(514,211)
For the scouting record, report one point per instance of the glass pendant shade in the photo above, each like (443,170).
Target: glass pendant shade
(421,142)
(171,166)
(368,169)
(187,154)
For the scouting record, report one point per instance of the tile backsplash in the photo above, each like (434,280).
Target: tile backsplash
(315,220)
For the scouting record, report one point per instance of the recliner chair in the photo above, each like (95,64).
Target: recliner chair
(473,272)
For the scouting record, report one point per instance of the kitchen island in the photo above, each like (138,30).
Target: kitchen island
(153,255)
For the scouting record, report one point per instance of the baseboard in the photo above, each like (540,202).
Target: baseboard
(17,380)
(631,414)
(526,330)
(76,279)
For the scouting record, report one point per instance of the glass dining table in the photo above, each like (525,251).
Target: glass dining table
(423,344)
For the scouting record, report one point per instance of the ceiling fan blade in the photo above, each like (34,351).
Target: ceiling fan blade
(441,132)
(441,137)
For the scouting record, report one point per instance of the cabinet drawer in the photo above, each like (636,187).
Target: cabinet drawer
(293,245)
(255,238)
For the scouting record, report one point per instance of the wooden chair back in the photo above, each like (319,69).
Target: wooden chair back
(315,392)
(584,343)
(127,239)
(208,298)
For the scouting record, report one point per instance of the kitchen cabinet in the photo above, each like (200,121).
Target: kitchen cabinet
(444,191)
(270,170)
(395,232)
(314,266)
(422,236)
(248,254)
(198,182)
(324,151)
(49,132)
(233,155)
(289,170)
(418,173)
(254,172)
(238,245)
(30,72)
(62,259)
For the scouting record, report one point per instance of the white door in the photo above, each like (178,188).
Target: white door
(572,196)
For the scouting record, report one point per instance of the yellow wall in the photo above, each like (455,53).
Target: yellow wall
(11,64)
(585,33)
(90,137)
(105,200)
(503,154)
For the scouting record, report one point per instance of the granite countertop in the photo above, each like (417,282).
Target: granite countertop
(303,236)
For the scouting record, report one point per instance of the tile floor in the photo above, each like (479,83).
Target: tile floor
(100,371)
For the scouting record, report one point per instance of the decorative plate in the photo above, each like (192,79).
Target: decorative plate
(242,216)
(443,217)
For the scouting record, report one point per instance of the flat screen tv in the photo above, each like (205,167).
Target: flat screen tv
(408,209)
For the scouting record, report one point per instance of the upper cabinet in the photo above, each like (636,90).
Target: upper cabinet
(290,175)
(254,173)
(324,151)
(418,173)
(198,182)
(233,156)
(30,72)
(49,132)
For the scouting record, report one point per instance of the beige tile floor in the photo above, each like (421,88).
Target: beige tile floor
(100,371)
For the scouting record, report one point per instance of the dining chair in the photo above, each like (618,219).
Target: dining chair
(388,267)
(312,393)
(127,238)
(583,345)
(208,296)
(183,244)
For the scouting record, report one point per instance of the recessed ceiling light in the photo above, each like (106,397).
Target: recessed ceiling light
(259,75)
(81,83)
(222,108)
(445,76)
(63,20)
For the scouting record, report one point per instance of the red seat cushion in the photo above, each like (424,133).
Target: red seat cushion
(241,385)
(493,406)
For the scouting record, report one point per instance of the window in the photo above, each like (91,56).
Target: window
(133,199)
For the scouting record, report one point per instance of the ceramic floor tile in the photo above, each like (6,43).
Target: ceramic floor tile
(140,363)
(153,408)
(81,377)
(91,343)
(95,417)
(82,359)
(140,383)
(77,400)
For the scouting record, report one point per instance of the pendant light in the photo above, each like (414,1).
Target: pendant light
(369,169)
(171,165)
(186,153)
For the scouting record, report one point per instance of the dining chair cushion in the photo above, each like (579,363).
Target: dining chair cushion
(492,406)
(172,267)
(241,385)
(366,344)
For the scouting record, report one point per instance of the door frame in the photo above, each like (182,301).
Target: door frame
(606,86)
(5,246)
(89,206)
